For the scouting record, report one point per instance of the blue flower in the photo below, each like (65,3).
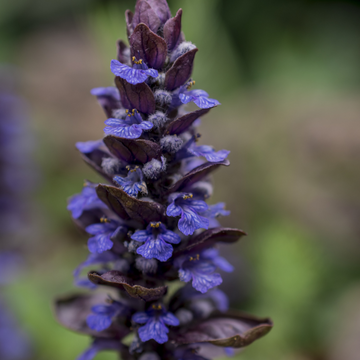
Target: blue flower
(199,97)
(14,343)
(88,146)
(133,183)
(93,259)
(214,212)
(87,200)
(200,271)
(10,265)
(156,237)
(130,128)
(155,320)
(213,256)
(209,153)
(98,345)
(184,205)
(110,91)
(217,297)
(133,75)
(103,315)
(103,234)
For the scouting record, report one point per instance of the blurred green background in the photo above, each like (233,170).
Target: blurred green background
(287,75)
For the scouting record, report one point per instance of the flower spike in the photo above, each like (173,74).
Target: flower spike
(148,220)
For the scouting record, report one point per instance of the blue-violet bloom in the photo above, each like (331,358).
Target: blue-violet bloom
(213,256)
(183,204)
(214,212)
(130,128)
(133,183)
(199,97)
(200,271)
(103,234)
(155,320)
(156,238)
(136,74)
(87,200)
(103,315)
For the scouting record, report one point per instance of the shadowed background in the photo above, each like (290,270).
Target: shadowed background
(287,75)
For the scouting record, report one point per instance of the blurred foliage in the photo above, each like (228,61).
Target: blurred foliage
(265,61)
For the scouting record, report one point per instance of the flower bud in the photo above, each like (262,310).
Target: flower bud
(148,266)
(111,166)
(183,48)
(171,144)
(163,98)
(154,168)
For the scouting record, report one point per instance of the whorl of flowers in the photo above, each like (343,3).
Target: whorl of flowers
(15,180)
(149,223)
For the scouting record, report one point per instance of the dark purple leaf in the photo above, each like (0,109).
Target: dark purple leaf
(226,330)
(132,150)
(123,53)
(112,202)
(181,70)
(161,9)
(129,16)
(181,124)
(145,14)
(138,96)
(209,238)
(195,175)
(116,279)
(148,46)
(172,30)
(72,311)
(94,160)
(138,210)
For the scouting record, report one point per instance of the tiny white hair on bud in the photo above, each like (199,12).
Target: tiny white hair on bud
(148,266)
(182,49)
(163,97)
(119,113)
(159,119)
(154,168)
(185,316)
(171,144)
(110,165)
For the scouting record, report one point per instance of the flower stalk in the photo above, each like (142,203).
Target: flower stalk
(149,223)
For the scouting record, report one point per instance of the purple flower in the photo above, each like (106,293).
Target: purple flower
(103,232)
(209,153)
(199,97)
(14,344)
(130,128)
(110,92)
(103,315)
(198,270)
(93,259)
(133,75)
(10,265)
(182,204)
(215,211)
(98,345)
(155,320)
(88,146)
(87,200)
(156,238)
(213,256)
(133,183)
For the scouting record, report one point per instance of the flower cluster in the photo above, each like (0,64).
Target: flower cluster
(15,180)
(149,223)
